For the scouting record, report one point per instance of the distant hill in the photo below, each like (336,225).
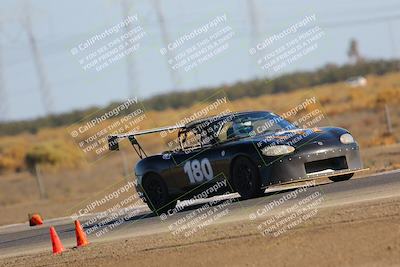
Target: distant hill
(285,83)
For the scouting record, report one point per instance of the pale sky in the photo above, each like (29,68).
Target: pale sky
(61,25)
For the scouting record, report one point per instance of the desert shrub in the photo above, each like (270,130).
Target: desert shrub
(12,153)
(389,95)
(54,154)
(383,139)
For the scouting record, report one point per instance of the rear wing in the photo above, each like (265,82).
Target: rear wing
(114,145)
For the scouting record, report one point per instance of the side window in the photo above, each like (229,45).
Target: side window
(240,127)
(226,132)
(190,141)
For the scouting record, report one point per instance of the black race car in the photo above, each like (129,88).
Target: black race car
(247,151)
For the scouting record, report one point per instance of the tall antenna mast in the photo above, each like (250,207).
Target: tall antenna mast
(253,20)
(3,94)
(166,41)
(254,30)
(132,77)
(44,86)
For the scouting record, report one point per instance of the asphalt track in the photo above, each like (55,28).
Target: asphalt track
(19,239)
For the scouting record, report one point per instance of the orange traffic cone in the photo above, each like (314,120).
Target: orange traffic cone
(35,219)
(55,241)
(81,239)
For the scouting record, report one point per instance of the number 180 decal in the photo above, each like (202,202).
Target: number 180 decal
(198,171)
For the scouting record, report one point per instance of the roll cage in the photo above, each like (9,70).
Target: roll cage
(206,130)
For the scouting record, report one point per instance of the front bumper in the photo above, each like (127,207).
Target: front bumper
(312,163)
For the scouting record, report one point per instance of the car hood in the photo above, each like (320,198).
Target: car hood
(299,137)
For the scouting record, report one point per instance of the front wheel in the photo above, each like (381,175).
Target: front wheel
(341,178)
(246,178)
(156,194)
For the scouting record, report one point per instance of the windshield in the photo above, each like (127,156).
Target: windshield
(254,124)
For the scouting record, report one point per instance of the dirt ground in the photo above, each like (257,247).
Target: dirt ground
(363,234)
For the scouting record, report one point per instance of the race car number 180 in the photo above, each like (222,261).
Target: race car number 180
(198,171)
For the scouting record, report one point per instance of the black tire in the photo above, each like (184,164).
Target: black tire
(341,178)
(156,194)
(246,178)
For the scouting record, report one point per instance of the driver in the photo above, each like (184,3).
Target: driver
(242,129)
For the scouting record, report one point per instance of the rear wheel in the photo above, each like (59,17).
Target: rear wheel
(341,178)
(156,194)
(246,178)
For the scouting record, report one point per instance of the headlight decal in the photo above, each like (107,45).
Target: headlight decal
(346,138)
(277,150)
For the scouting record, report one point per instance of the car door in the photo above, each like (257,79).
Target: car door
(195,165)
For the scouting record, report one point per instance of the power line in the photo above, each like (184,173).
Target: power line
(361,21)
(52,45)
